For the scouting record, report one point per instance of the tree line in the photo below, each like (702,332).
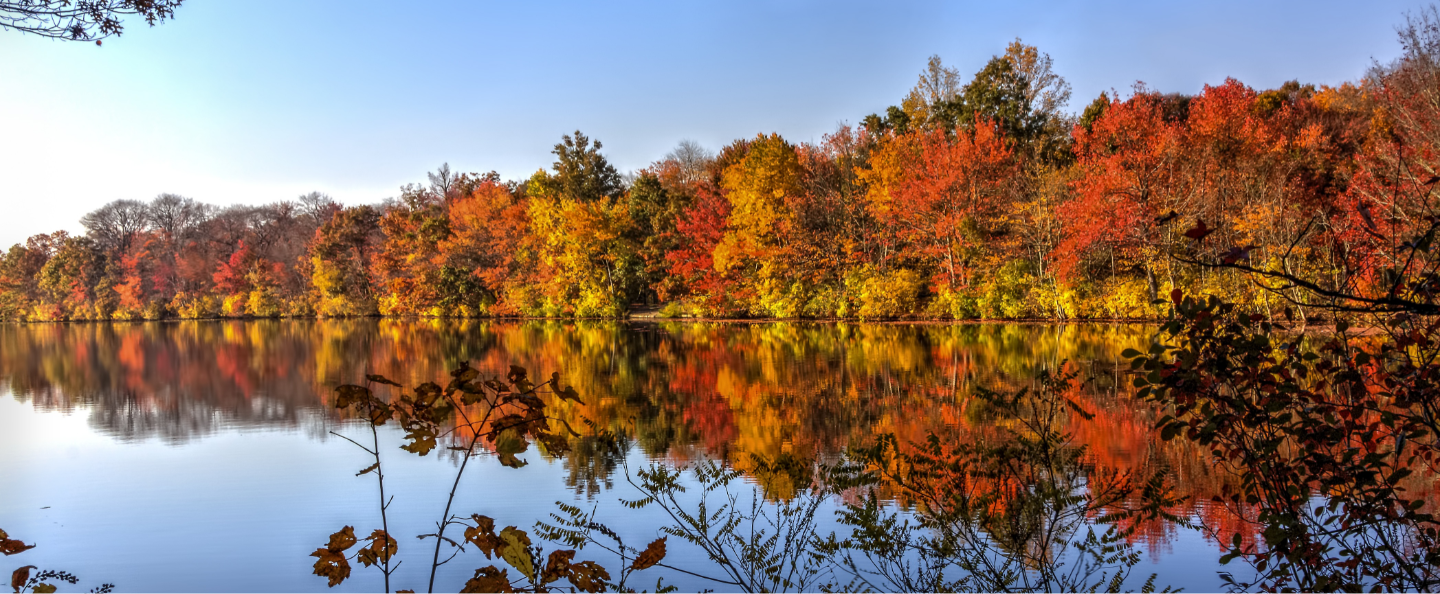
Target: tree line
(970,199)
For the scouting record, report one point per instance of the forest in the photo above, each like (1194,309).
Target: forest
(972,199)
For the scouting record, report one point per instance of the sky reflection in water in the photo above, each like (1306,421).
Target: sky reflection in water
(195,455)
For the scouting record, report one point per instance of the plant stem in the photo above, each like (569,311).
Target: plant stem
(445,519)
(384,521)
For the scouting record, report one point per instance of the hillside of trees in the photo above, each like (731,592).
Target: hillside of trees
(971,199)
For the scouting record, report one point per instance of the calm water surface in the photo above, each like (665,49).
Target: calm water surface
(196,456)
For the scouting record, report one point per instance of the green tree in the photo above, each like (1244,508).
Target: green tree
(581,172)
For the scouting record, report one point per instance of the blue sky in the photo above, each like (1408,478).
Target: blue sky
(262,100)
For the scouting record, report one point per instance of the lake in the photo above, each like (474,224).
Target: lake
(198,456)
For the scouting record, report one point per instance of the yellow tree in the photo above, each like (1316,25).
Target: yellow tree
(761,188)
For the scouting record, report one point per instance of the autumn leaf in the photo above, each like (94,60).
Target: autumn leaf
(342,540)
(482,535)
(557,566)
(516,551)
(10,546)
(368,469)
(508,443)
(382,548)
(567,393)
(651,555)
(380,379)
(422,439)
(464,373)
(587,576)
(20,576)
(331,562)
(488,579)
(517,374)
(350,394)
(1167,217)
(43,588)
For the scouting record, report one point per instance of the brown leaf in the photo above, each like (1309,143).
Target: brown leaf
(588,576)
(382,548)
(422,439)
(557,566)
(379,413)
(351,394)
(509,443)
(488,579)
(482,535)
(380,379)
(517,374)
(651,555)
(20,576)
(342,540)
(568,393)
(43,588)
(10,546)
(465,373)
(331,565)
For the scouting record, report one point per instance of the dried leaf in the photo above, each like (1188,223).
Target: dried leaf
(651,555)
(342,540)
(587,576)
(508,443)
(331,565)
(10,546)
(382,548)
(488,579)
(20,576)
(482,535)
(368,469)
(422,439)
(351,394)
(557,566)
(380,379)
(568,393)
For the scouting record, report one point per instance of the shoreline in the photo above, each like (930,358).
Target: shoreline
(641,319)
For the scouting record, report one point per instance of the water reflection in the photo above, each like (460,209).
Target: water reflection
(680,390)
(721,387)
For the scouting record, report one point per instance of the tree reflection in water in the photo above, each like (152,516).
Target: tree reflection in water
(682,391)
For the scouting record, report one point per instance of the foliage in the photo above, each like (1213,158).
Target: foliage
(983,188)
(1003,512)
(31,579)
(503,414)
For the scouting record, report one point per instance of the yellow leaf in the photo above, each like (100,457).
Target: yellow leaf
(516,551)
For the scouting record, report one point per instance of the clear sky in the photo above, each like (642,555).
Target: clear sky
(261,100)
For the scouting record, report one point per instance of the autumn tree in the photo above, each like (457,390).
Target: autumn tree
(340,258)
(942,195)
